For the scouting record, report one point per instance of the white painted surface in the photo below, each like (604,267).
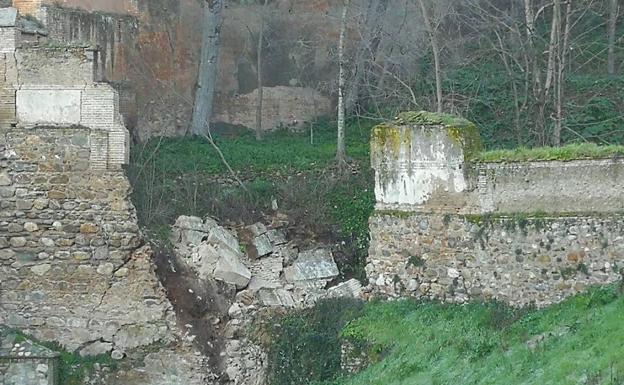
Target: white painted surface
(41,106)
(427,163)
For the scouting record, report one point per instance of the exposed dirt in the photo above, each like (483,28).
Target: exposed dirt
(201,306)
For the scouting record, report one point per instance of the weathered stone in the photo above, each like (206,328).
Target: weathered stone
(41,269)
(276,297)
(312,265)
(206,260)
(230,269)
(262,245)
(235,311)
(351,288)
(106,269)
(222,238)
(276,237)
(88,228)
(257,229)
(18,242)
(5,179)
(31,227)
(96,348)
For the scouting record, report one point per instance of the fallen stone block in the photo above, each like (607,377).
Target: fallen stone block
(204,260)
(276,237)
(276,297)
(312,265)
(351,288)
(231,270)
(263,246)
(222,238)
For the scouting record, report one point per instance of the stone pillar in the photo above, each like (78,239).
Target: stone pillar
(420,161)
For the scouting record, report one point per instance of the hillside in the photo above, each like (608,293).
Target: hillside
(576,342)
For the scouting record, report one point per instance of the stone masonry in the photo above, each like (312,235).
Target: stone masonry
(521,232)
(72,265)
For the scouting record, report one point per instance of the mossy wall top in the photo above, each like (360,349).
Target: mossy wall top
(427,162)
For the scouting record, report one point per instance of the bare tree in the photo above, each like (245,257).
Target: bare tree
(561,65)
(371,28)
(436,52)
(341,152)
(208,66)
(259,71)
(613,15)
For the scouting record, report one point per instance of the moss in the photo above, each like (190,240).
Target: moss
(431,118)
(394,213)
(461,131)
(388,136)
(565,153)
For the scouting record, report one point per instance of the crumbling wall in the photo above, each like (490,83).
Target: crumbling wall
(522,232)
(73,267)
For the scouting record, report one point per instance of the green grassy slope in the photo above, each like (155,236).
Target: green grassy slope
(580,341)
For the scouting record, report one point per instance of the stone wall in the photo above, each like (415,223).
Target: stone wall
(73,267)
(522,232)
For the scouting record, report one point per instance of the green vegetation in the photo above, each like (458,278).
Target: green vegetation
(564,153)
(409,342)
(305,346)
(185,176)
(72,368)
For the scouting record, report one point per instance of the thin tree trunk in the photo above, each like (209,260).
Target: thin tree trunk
(552,47)
(563,52)
(367,50)
(341,152)
(207,77)
(436,53)
(259,72)
(613,14)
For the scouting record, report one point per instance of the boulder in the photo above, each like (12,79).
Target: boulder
(230,269)
(205,259)
(312,265)
(221,238)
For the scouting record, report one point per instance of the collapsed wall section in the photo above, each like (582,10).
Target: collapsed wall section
(521,232)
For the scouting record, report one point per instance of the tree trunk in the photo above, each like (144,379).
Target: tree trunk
(613,14)
(436,53)
(259,73)
(341,152)
(563,52)
(208,66)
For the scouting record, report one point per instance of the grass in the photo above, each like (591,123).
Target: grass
(564,153)
(185,176)
(278,151)
(489,343)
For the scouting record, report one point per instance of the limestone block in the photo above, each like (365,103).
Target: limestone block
(231,270)
(205,260)
(350,288)
(222,238)
(276,297)
(52,106)
(263,245)
(312,265)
